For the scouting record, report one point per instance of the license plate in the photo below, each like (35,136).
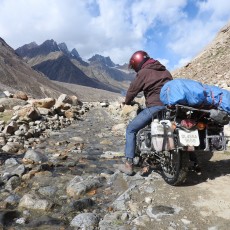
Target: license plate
(190,138)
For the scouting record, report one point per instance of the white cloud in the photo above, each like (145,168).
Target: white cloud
(114,28)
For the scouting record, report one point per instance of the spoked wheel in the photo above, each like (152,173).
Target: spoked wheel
(174,166)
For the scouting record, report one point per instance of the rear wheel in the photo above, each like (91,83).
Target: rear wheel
(174,166)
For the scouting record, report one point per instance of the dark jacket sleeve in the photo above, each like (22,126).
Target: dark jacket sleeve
(135,87)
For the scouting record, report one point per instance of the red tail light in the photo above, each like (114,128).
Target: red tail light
(188,124)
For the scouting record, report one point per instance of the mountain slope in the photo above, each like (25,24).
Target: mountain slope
(15,75)
(211,66)
(63,70)
(59,64)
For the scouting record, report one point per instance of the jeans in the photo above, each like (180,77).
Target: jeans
(139,122)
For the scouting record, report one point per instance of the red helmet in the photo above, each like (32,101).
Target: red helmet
(138,59)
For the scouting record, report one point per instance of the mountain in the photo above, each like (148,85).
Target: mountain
(60,64)
(211,66)
(16,75)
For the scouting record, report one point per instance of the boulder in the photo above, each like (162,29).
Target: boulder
(9,103)
(29,201)
(21,95)
(64,98)
(30,112)
(43,103)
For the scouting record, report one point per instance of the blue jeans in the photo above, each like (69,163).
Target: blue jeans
(139,122)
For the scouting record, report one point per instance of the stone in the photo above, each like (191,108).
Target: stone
(10,128)
(29,112)
(104,104)
(2,108)
(21,95)
(7,93)
(12,199)
(120,202)
(64,98)
(43,103)
(12,183)
(35,156)
(20,170)
(70,113)
(141,220)
(76,189)
(11,162)
(159,211)
(75,100)
(87,221)
(111,221)
(48,191)
(44,111)
(30,201)
(9,103)
(2,140)
(112,154)
(12,147)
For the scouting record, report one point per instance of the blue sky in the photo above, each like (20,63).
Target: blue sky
(173,32)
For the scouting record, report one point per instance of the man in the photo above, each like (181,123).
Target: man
(150,78)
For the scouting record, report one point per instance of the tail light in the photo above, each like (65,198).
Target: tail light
(188,124)
(201,126)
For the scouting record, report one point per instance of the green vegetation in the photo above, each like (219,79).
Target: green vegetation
(6,115)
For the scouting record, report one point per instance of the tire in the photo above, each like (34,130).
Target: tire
(175,166)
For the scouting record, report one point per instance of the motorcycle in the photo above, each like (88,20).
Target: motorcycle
(175,135)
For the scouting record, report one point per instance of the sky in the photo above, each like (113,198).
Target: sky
(173,32)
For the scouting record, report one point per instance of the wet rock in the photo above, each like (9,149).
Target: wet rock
(30,201)
(11,162)
(12,199)
(76,189)
(159,211)
(20,170)
(48,191)
(85,221)
(34,156)
(81,204)
(6,217)
(12,183)
(45,221)
(112,154)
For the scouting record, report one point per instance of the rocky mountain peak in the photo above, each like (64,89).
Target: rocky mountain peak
(98,59)
(74,53)
(63,47)
(32,49)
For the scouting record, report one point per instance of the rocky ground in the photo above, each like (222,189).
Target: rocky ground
(69,180)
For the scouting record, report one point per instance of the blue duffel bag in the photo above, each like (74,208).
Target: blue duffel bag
(193,93)
(183,92)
